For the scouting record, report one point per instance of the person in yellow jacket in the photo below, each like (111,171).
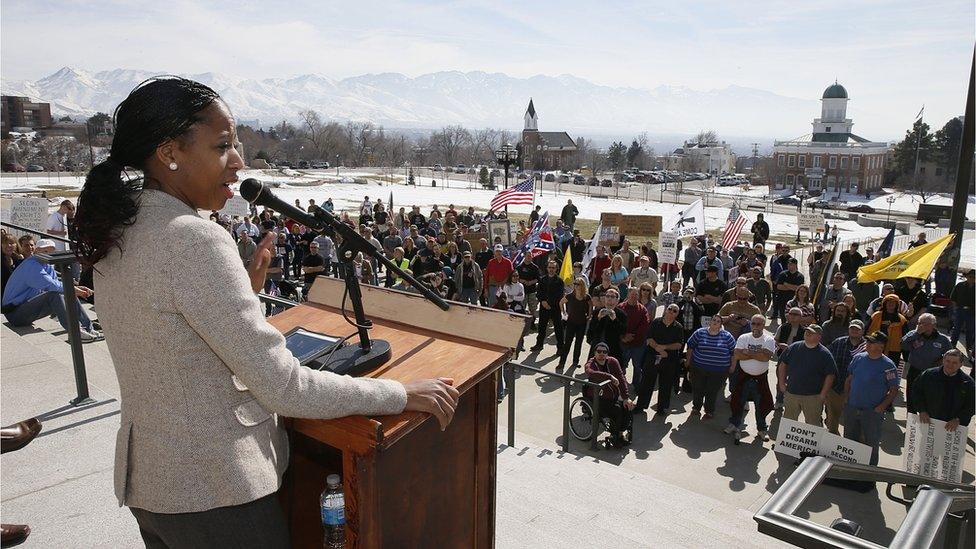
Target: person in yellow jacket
(891,322)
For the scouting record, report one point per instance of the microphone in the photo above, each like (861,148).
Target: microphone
(254,192)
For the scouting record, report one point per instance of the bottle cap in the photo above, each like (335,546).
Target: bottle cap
(333,480)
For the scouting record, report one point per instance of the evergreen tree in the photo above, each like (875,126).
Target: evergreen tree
(634,154)
(616,155)
(947,142)
(916,139)
(483,177)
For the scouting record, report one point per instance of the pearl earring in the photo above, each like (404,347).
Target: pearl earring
(173,166)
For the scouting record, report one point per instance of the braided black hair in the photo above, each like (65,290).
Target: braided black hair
(157,110)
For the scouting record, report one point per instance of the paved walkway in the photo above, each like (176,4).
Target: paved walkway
(61,484)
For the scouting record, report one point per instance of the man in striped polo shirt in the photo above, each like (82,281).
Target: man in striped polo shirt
(709,358)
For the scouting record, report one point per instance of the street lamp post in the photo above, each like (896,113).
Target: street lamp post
(801,195)
(891,200)
(506,156)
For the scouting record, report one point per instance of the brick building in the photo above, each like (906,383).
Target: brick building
(545,150)
(21,112)
(832,158)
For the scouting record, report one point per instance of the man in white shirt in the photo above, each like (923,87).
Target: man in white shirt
(57,223)
(750,367)
(249,228)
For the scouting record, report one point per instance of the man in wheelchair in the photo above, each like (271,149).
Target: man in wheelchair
(615,404)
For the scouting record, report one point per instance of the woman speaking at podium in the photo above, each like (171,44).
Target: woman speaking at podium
(203,377)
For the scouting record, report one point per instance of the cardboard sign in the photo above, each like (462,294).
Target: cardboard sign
(609,235)
(667,249)
(795,438)
(28,212)
(632,225)
(932,451)
(236,206)
(810,221)
(500,228)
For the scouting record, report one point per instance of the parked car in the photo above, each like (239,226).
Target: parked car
(592,181)
(320,165)
(858,208)
(460,169)
(822,204)
(578,179)
(606,183)
(495,172)
(14,167)
(549,177)
(303,164)
(563,178)
(472,171)
(787,201)
(35,168)
(437,168)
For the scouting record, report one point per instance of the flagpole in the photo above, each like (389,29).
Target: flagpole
(918,143)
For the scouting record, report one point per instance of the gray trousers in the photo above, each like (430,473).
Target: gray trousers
(259,524)
(47,304)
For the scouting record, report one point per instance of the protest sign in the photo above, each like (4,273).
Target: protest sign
(667,251)
(236,206)
(500,228)
(795,438)
(932,451)
(629,225)
(808,221)
(26,211)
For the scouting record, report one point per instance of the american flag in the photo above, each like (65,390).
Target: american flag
(537,242)
(733,228)
(523,193)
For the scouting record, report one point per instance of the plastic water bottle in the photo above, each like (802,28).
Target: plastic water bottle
(333,506)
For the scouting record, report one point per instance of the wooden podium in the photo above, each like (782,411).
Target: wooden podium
(406,483)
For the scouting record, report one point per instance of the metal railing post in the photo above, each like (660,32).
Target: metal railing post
(566,387)
(509,373)
(594,445)
(62,261)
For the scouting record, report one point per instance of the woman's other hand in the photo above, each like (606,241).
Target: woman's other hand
(434,396)
(257,271)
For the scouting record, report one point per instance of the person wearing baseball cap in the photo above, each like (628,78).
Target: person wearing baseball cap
(34,291)
(843,349)
(496,274)
(871,386)
(615,402)
(806,374)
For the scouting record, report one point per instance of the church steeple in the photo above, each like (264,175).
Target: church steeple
(531,120)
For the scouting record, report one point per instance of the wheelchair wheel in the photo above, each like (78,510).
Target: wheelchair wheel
(581,419)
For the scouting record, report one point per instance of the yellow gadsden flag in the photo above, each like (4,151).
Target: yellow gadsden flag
(566,271)
(912,263)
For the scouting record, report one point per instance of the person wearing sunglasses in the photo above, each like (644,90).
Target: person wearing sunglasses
(665,339)
(577,307)
(615,402)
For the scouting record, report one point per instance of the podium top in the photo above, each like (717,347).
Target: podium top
(417,353)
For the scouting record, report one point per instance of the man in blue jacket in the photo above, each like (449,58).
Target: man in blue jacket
(34,291)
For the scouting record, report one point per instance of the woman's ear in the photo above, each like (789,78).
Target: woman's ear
(167,152)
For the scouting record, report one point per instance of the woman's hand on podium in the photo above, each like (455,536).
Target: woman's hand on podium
(434,396)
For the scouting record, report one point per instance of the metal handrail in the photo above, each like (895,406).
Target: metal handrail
(278,301)
(567,381)
(927,517)
(34,231)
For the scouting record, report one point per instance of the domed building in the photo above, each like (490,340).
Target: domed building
(831,158)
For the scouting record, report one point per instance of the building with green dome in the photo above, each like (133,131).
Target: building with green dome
(830,159)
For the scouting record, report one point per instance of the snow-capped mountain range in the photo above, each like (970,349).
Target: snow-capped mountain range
(473,99)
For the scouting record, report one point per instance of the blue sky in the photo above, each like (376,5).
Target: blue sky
(893,56)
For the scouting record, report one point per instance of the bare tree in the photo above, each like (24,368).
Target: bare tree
(706,136)
(449,141)
(583,148)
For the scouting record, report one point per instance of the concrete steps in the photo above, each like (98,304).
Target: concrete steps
(572,501)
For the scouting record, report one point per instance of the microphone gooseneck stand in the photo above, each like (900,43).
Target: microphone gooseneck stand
(370,353)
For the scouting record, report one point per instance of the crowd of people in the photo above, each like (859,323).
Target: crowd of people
(741,325)
(716,325)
